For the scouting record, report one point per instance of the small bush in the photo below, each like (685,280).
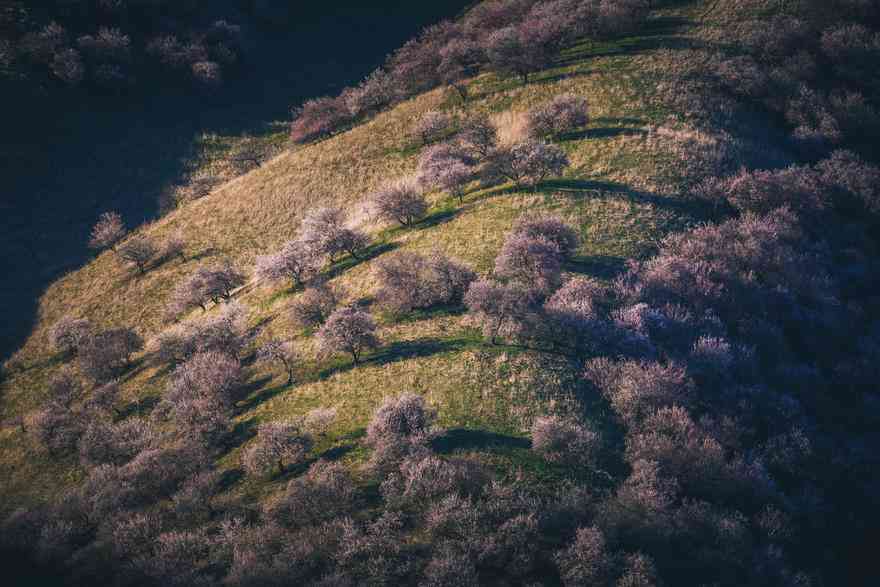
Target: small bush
(347,330)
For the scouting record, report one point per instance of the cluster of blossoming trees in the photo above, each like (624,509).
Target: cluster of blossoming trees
(729,394)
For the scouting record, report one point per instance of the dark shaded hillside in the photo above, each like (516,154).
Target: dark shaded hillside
(69,159)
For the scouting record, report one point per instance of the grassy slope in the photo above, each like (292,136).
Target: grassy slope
(620,191)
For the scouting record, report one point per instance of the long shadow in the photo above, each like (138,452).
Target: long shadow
(602,266)
(250,388)
(65,161)
(606,132)
(400,351)
(263,395)
(349,262)
(437,218)
(139,408)
(465,439)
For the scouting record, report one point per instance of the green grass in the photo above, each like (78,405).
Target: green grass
(619,192)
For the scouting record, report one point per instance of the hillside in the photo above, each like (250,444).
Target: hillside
(637,174)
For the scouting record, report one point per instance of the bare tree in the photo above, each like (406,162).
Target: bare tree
(138,250)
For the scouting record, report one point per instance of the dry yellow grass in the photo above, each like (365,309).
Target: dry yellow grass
(612,192)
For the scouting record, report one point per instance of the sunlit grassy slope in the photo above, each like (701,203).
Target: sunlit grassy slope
(621,191)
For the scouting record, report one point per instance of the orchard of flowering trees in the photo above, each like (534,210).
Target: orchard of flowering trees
(507,37)
(724,400)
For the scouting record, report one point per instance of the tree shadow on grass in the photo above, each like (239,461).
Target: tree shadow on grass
(263,395)
(140,407)
(349,262)
(601,266)
(465,438)
(606,189)
(295,470)
(241,433)
(437,218)
(400,351)
(604,132)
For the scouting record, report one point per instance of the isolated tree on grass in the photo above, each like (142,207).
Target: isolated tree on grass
(138,250)
(460,59)
(278,351)
(564,113)
(348,330)
(68,334)
(324,230)
(404,417)
(107,232)
(277,444)
(532,262)
(408,280)
(204,285)
(401,201)
(527,163)
(296,262)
